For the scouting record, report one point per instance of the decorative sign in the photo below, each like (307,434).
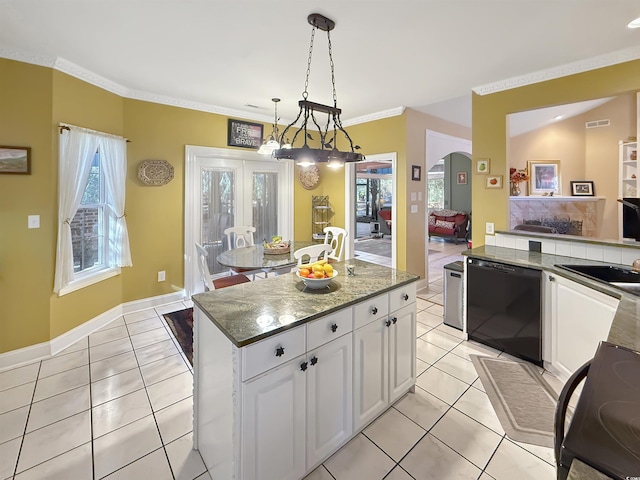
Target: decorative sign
(244,134)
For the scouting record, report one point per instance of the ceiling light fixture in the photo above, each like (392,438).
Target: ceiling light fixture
(634,23)
(328,147)
(271,143)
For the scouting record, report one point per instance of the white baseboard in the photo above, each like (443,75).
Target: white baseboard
(45,350)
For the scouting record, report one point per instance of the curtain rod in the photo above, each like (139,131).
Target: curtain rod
(67,126)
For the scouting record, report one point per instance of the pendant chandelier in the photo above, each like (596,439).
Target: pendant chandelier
(272,142)
(309,119)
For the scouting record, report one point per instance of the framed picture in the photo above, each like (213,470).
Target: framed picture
(415,172)
(544,177)
(493,181)
(461,178)
(582,188)
(15,160)
(482,166)
(244,134)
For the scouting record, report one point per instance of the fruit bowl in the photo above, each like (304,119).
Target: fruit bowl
(317,283)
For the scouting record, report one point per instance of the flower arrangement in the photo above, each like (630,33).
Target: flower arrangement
(517,176)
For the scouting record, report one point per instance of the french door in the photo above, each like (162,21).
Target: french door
(226,188)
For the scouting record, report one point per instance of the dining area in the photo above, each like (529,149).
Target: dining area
(247,260)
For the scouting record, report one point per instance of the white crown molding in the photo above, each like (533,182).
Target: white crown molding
(70,68)
(34,59)
(392,112)
(601,61)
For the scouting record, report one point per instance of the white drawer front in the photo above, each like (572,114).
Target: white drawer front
(370,310)
(329,328)
(265,354)
(401,297)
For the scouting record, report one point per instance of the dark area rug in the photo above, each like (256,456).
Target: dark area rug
(181,324)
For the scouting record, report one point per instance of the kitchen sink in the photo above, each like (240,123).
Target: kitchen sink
(623,278)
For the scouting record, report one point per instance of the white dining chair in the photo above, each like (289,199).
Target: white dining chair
(312,253)
(335,236)
(205,275)
(239,237)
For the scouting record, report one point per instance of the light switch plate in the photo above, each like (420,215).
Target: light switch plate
(419,196)
(414,208)
(489,228)
(413,196)
(33,221)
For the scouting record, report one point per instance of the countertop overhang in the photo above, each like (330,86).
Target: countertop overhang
(625,329)
(250,312)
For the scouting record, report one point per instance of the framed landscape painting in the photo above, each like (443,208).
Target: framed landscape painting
(15,160)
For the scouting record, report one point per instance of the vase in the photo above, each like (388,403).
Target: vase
(515,189)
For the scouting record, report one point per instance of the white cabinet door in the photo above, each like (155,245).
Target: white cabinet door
(371,372)
(273,424)
(329,399)
(402,351)
(581,318)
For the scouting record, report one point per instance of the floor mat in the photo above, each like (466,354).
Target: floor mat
(181,324)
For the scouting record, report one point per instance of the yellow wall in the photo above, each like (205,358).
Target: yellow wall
(26,255)
(489,128)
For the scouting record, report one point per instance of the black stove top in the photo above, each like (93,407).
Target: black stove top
(605,429)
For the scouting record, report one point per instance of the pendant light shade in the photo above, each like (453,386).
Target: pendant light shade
(271,143)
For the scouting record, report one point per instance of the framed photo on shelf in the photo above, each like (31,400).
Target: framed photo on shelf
(15,160)
(582,188)
(544,177)
(493,181)
(416,172)
(482,166)
(461,178)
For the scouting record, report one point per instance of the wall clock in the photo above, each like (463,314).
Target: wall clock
(155,172)
(309,177)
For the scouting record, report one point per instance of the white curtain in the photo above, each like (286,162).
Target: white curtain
(76,152)
(113,152)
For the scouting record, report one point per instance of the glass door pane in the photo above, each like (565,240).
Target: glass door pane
(218,212)
(265,205)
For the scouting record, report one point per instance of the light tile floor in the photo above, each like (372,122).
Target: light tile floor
(118,405)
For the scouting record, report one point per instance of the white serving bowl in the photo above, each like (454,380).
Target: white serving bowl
(317,283)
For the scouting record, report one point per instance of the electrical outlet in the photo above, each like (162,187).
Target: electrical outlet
(489,228)
(161,276)
(33,221)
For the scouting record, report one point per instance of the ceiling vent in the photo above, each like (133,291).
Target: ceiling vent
(598,123)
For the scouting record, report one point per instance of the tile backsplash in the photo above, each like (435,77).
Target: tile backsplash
(623,255)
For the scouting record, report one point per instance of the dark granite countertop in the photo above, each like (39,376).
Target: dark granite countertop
(252,311)
(625,329)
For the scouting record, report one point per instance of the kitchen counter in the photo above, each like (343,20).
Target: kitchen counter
(253,311)
(625,329)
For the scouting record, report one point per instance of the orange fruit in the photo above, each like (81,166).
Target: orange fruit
(318,274)
(304,272)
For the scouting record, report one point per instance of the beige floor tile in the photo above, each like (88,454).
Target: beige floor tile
(319,473)
(115,386)
(472,348)
(79,345)
(170,391)
(75,464)
(186,462)
(440,339)
(422,408)
(359,459)
(61,382)
(162,369)
(145,325)
(471,439)
(19,376)
(113,366)
(430,320)
(428,352)
(125,445)
(61,363)
(458,367)
(152,466)
(149,337)
(58,407)
(9,455)
(155,352)
(13,423)
(510,461)
(16,397)
(398,474)
(433,460)
(110,349)
(109,335)
(442,385)
(141,315)
(120,412)
(175,420)
(476,405)
(50,441)
(118,322)
(170,307)
(394,433)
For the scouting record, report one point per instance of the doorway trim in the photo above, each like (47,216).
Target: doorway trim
(192,197)
(438,145)
(350,206)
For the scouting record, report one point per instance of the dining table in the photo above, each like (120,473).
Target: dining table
(254,257)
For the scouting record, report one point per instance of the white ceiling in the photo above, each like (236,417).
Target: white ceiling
(425,54)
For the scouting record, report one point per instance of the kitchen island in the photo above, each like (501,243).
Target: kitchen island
(284,376)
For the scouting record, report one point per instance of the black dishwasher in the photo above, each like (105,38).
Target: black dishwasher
(504,308)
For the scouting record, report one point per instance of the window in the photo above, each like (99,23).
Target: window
(93,240)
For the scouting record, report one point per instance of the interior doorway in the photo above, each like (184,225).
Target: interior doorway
(370,204)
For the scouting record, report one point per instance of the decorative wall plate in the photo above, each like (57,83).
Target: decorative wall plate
(309,177)
(155,172)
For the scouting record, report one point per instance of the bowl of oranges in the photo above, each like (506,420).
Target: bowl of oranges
(316,275)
